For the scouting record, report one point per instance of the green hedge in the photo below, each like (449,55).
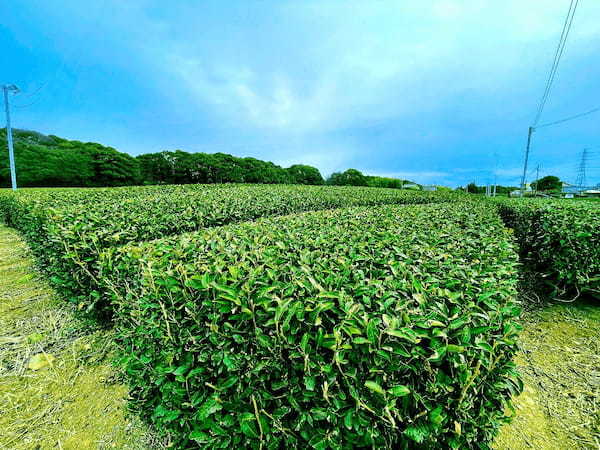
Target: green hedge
(363,327)
(68,228)
(560,239)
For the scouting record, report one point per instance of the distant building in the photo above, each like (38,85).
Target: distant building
(568,188)
(411,186)
(592,192)
(430,188)
(517,192)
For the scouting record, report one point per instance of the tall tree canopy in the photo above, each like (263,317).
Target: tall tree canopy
(350,177)
(353,177)
(302,174)
(53,161)
(182,168)
(549,183)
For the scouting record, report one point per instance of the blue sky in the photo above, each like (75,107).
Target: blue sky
(439,91)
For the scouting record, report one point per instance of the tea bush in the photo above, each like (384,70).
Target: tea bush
(560,239)
(386,327)
(67,228)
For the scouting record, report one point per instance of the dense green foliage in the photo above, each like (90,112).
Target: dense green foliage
(500,190)
(303,174)
(50,161)
(548,183)
(393,183)
(350,177)
(68,228)
(53,161)
(560,239)
(180,167)
(353,177)
(386,327)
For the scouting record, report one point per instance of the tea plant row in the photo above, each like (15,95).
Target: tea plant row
(68,228)
(560,240)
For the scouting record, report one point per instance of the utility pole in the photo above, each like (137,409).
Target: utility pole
(531,130)
(11,155)
(537,178)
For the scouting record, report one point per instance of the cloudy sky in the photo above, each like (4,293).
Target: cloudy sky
(439,91)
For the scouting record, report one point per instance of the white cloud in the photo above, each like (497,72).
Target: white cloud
(509,172)
(367,61)
(305,78)
(328,159)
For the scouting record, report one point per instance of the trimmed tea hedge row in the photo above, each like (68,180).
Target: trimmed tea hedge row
(68,228)
(560,239)
(363,327)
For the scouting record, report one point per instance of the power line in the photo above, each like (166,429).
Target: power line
(38,93)
(557,57)
(37,99)
(75,56)
(551,76)
(576,116)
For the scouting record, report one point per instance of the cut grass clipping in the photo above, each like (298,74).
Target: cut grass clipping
(56,387)
(560,363)
(387,327)
(68,228)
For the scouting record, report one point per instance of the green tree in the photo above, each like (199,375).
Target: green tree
(303,174)
(52,161)
(350,177)
(386,182)
(472,188)
(547,183)
(155,168)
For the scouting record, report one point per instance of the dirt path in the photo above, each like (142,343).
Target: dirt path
(56,386)
(560,363)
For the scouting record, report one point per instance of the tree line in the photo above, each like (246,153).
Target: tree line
(353,177)
(46,161)
(52,161)
(548,183)
(181,167)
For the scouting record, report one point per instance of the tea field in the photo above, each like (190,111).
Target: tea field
(259,316)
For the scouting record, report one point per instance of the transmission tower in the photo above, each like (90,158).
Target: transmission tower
(581,181)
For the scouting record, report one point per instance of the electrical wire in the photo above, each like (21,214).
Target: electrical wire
(553,67)
(39,93)
(557,57)
(576,116)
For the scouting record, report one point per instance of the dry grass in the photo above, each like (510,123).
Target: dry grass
(73,403)
(560,363)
